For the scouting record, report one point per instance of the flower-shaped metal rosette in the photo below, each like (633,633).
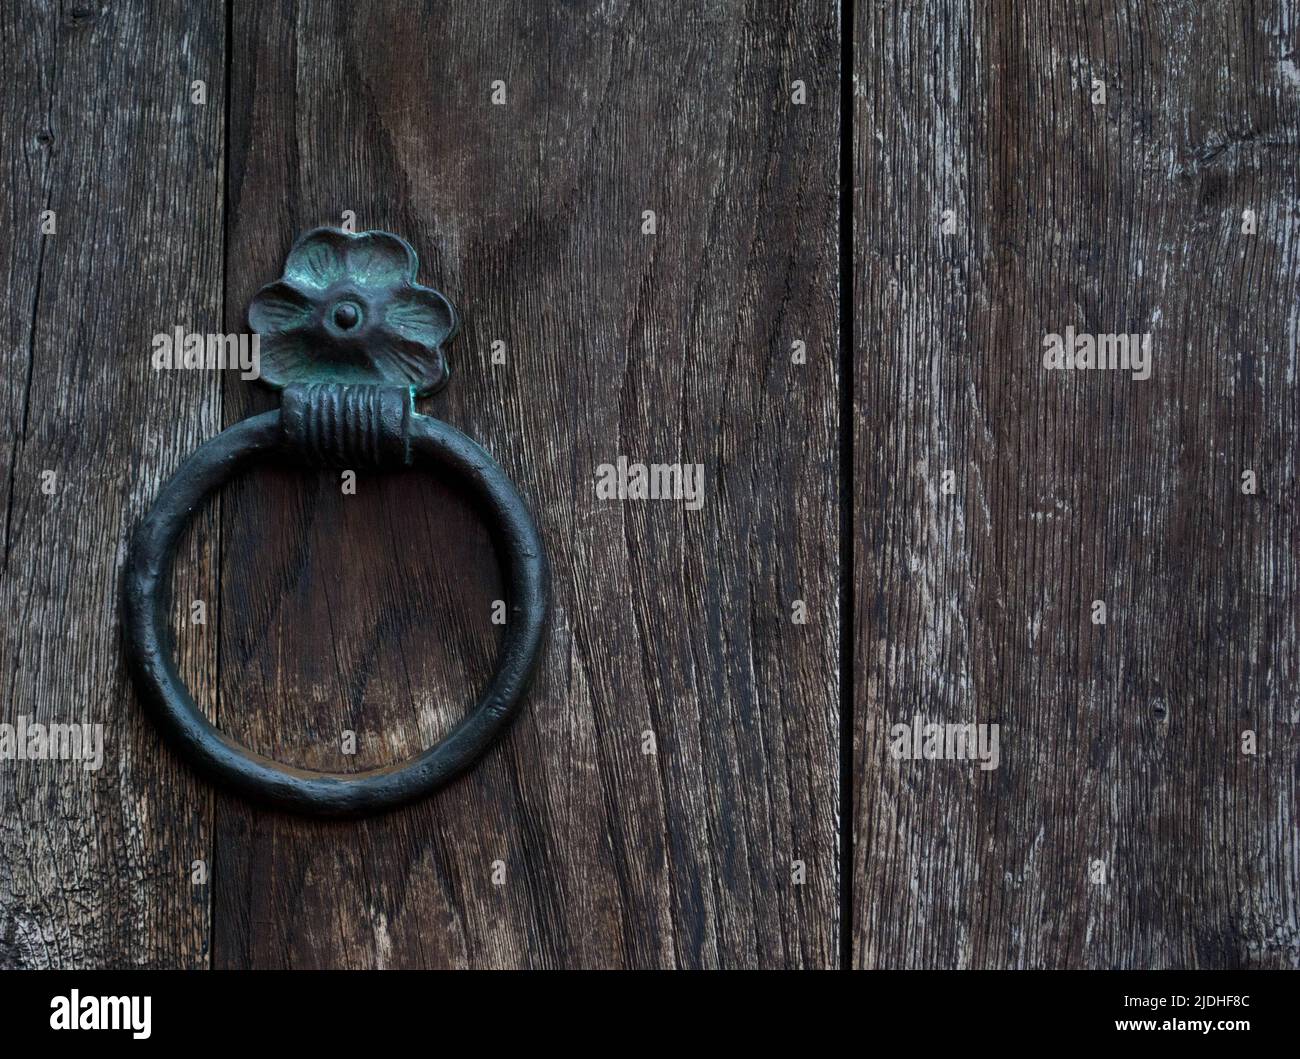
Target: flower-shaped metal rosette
(348,310)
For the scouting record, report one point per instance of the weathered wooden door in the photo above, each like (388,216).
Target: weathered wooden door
(1102,562)
(635,209)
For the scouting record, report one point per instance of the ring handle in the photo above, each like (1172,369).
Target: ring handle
(358,422)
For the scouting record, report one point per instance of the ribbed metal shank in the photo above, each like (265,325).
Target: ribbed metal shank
(337,425)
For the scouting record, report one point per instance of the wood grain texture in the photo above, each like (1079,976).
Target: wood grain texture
(97,124)
(1119,743)
(371,612)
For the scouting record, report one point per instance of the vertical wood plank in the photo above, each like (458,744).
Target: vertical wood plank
(97,125)
(1121,744)
(371,613)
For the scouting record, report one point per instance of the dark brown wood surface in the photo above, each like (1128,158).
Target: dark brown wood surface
(1124,826)
(96,867)
(372,612)
(568,846)
(1121,744)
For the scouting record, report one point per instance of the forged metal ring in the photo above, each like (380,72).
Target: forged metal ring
(350,423)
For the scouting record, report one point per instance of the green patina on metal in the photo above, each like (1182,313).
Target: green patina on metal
(348,309)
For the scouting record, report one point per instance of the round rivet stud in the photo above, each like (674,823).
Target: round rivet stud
(347,315)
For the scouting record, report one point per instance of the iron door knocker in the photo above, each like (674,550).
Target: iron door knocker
(351,339)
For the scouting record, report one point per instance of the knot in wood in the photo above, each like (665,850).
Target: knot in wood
(347,425)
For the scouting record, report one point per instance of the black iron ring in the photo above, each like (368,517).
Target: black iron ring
(423,440)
